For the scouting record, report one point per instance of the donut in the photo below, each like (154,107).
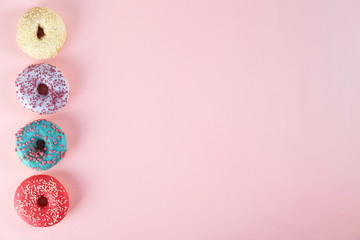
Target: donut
(41,33)
(42,88)
(41,201)
(41,144)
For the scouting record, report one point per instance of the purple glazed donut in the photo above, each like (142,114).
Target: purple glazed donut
(42,88)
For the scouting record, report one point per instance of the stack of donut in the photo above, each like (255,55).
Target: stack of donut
(41,200)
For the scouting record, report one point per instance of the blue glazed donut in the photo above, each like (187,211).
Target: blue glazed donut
(41,144)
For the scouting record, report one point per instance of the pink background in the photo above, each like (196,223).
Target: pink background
(194,119)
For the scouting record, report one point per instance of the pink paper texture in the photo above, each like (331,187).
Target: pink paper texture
(196,120)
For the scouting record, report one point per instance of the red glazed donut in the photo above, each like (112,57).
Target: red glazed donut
(41,201)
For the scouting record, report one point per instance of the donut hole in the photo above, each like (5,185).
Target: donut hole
(40,145)
(40,32)
(42,201)
(43,89)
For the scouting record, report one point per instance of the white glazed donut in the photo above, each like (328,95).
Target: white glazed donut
(41,33)
(42,88)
